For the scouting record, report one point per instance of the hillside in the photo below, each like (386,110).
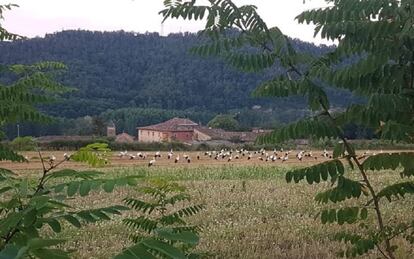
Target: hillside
(114,70)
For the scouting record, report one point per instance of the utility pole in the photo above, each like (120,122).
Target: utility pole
(18,130)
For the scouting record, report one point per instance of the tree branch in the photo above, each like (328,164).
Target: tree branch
(43,179)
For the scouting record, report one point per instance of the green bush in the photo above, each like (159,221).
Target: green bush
(226,122)
(23,144)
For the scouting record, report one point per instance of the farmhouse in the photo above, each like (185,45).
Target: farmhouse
(176,129)
(185,130)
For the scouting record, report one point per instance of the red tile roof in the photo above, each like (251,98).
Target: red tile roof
(175,124)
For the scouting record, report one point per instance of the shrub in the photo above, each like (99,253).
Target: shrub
(23,144)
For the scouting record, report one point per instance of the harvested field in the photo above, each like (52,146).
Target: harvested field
(251,212)
(117,161)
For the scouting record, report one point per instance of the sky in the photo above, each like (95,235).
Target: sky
(38,17)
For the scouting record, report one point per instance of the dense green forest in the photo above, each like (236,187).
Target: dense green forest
(136,79)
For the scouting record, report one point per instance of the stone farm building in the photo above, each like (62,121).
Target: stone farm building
(176,129)
(185,130)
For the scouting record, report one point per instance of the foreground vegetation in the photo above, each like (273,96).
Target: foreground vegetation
(247,217)
(251,212)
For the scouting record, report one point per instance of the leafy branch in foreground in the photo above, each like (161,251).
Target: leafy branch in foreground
(378,37)
(4,34)
(161,228)
(27,207)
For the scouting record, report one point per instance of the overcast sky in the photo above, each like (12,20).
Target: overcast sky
(38,17)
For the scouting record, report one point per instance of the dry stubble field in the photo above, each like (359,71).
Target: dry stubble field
(116,161)
(251,211)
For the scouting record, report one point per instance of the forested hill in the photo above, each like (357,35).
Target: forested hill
(115,70)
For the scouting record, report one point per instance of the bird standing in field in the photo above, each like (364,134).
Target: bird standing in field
(122,154)
(151,162)
(157,154)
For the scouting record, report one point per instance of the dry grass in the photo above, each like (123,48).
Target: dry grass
(264,218)
(251,213)
(116,161)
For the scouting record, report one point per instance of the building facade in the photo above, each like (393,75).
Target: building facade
(185,130)
(176,129)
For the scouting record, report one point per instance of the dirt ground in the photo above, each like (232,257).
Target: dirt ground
(117,161)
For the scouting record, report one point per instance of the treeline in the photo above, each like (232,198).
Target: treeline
(113,70)
(119,73)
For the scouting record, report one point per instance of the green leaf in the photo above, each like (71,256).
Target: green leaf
(24,185)
(138,251)
(50,253)
(85,188)
(74,174)
(8,154)
(101,215)
(11,221)
(55,225)
(73,188)
(94,154)
(87,216)
(6,174)
(345,189)
(30,217)
(185,237)
(348,215)
(109,186)
(317,172)
(141,223)
(37,243)
(364,214)
(72,220)
(398,190)
(39,201)
(164,248)
(315,127)
(12,251)
(339,150)
(391,161)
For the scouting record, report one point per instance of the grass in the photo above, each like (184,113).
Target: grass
(251,213)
